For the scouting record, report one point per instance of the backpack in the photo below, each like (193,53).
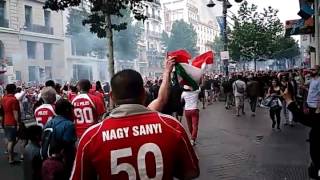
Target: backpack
(49,141)
(239,89)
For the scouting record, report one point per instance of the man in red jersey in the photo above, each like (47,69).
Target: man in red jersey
(12,118)
(88,108)
(135,142)
(45,112)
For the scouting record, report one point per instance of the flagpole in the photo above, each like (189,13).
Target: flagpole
(225,37)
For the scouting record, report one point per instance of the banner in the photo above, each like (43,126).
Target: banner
(220,21)
(299,27)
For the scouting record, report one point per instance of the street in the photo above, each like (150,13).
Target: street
(235,148)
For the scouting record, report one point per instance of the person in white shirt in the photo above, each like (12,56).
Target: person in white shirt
(191,111)
(20,95)
(239,89)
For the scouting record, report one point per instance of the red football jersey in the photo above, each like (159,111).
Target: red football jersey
(71,96)
(43,114)
(144,146)
(87,109)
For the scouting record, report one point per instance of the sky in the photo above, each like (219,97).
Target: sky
(288,9)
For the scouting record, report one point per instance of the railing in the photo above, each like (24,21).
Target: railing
(40,29)
(4,23)
(154,34)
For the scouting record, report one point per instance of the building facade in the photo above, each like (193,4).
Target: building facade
(31,41)
(188,10)
(150,55)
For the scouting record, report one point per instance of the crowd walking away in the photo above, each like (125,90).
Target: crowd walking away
(133,127)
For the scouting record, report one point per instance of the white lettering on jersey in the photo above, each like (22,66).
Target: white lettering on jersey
(141,130)
(146,129)
(118,133)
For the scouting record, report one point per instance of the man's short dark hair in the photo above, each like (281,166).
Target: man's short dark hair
(34,133)
(84,85)
(50,83)
(63,108)
(11,88)
(127,86)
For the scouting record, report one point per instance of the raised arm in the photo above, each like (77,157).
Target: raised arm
(161,101)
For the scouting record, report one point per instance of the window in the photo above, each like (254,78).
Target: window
(33,73)
(18,75)
(47,15)
(48,72)
(47,51)
(31,49)
(82,72)
(28,15)
(1,50)
(2,9)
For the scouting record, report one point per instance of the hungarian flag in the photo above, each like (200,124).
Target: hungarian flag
(188,74)
(181,56)
(204,59)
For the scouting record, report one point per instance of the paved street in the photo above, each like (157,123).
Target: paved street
(232,148)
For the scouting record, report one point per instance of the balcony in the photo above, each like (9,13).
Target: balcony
(4,23)
(39,29)
(153,16)
(154,34)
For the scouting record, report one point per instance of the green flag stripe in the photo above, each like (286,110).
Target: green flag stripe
(181,72)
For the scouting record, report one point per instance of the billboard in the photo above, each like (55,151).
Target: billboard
(299,27)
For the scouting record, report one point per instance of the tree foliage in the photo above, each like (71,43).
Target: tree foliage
(217,46)
(100,18)
(257,35)
(126,40)
(182,36)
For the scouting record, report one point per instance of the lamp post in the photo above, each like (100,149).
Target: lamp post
(225,6)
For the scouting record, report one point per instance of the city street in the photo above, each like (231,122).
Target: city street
(236,148)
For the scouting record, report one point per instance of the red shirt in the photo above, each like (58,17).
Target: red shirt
(71,96)
(43,114)
(87,109)
(10,104)
(144,146)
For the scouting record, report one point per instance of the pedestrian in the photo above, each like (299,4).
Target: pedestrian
(12,119)
(141,149)
(46,112)
(227,90)
(313,98)
(62,152)
(239,89)
(311,121)
(275,106)
(253,93)
(191,111)
(20,95)
(32,160)
(88,108)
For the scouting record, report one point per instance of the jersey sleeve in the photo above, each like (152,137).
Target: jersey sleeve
(82,167)
(187,162)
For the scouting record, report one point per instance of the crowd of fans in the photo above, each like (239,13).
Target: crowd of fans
(69,117)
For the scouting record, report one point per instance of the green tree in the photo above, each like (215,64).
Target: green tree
(217,46)
(100,18)
(287,48)
(255,33)
(126,41)
(183,36)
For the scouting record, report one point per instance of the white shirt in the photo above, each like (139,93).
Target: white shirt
(238,84)
(191,99)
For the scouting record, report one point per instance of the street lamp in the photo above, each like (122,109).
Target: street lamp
(225,6)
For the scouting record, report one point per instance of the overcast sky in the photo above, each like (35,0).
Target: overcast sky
(288,9)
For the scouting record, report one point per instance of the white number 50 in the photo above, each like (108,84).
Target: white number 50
(142,169)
